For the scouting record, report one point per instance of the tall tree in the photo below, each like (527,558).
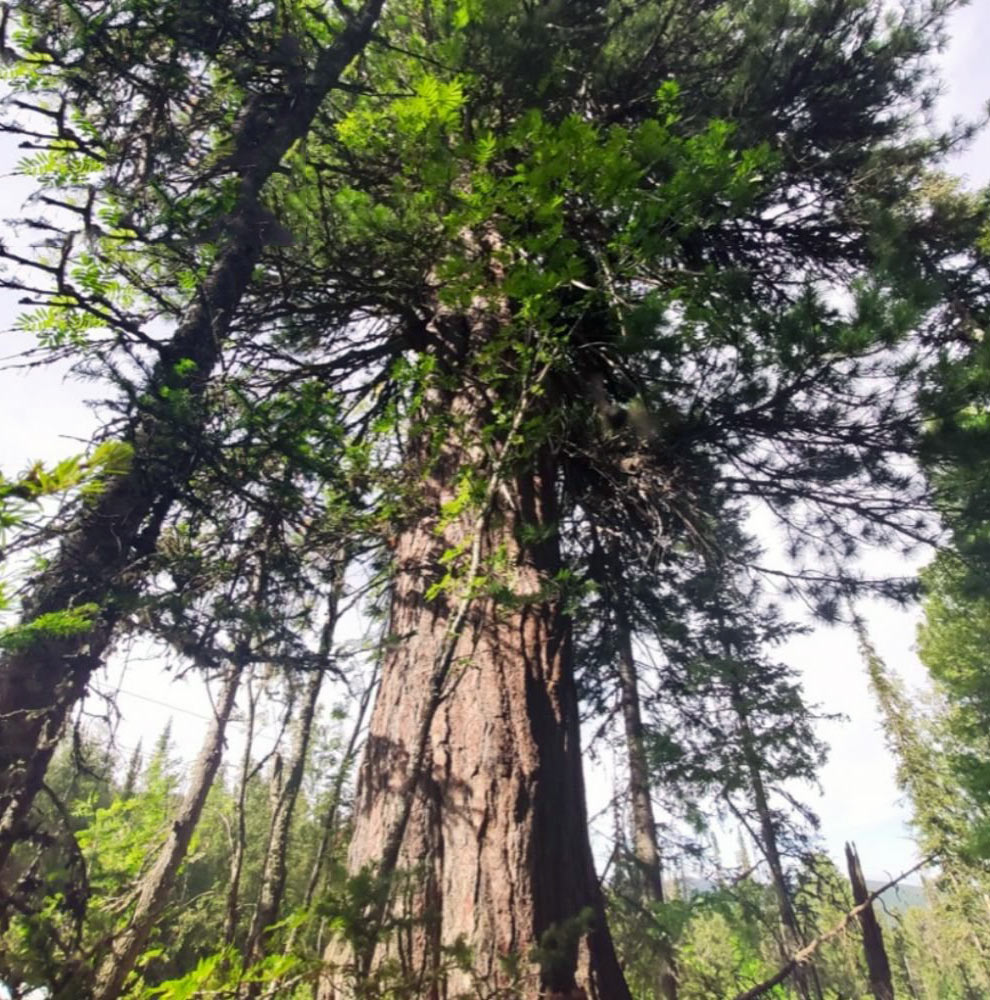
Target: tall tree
(733,728)
(613,632)
(564,265)
(155,886)
(952,645)
(331,821)
(284,805)
(945,820)
(769,823)
(238,835)
(550,256)
(932,768)
(646,847)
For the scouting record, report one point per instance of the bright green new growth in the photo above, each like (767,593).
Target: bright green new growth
(23,497)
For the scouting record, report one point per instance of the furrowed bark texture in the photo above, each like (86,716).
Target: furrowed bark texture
(39,684)
(156,887)
(495,847)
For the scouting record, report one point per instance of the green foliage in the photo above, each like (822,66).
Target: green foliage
(22,499)
(714,961)
(224,972)
(951,644)
(88,475)
(51,625)
(590,252)
(727,937)
(938,766)
(115,834)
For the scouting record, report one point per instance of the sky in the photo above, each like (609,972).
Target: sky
(44,416)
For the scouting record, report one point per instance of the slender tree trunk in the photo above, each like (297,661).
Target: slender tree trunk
(794,940)
(472,773)
(156,886)
(329,826)
(646,850)
(275,869)
(240,835)
(39,684)
(877,964)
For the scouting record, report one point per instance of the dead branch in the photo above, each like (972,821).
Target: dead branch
(801,956)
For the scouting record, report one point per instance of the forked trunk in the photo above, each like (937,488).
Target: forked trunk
(494,850)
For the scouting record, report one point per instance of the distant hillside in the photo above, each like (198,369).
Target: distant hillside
(900,898)
(895,900)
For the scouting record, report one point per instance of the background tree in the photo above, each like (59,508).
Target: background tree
(949,822)
(951,645)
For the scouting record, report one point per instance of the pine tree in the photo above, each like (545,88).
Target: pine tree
(557,266)
(948,821)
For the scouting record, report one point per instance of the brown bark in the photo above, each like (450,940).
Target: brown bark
(473,761)
(239,845)
(275,868)
(877,964)
(39,684)
(156,887)
(767,843)
(646,851)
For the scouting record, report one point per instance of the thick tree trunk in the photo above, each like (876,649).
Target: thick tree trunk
(39,684)
(156,886)
(491,821)
(646,851)
(877,964)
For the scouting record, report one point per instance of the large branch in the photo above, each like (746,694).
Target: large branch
(40,683)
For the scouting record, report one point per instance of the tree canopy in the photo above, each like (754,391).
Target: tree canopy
(501,317)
